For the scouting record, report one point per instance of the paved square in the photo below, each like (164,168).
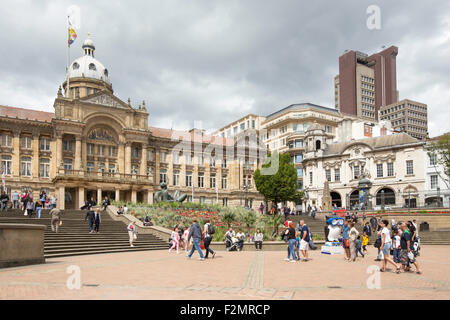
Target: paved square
(231,275)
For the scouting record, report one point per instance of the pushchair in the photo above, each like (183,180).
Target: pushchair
(231,243)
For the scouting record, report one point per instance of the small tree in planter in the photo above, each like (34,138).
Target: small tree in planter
(274,221)
(248,217)
(228,217)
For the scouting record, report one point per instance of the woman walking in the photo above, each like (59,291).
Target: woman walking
(132,232)
(353,235)
(175,240)
(30,207)
(290,233)
(386,244)
(38,207)
(185,238)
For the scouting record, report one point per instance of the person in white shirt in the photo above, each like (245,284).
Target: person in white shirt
(258,238)
(241,238)
(132,233)
(386,244)
(125,209)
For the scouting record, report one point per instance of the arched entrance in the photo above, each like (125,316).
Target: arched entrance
(354,198)
(385,196)
(336,199)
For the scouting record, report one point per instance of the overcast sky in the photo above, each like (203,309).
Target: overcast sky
(217,60)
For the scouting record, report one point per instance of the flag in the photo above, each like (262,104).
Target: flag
(72,36)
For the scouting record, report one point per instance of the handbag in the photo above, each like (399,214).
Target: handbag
(134,236)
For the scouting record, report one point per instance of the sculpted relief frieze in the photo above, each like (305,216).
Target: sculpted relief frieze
(105,100)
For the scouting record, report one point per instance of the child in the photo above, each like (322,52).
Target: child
(297,245)
(396,246)
(175,240)
(365,242)
(358,243)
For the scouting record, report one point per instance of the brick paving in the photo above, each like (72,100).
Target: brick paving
(230,276)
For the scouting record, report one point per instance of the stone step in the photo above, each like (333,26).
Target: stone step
(81,253)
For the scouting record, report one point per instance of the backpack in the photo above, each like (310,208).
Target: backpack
(377,243)
(211,229)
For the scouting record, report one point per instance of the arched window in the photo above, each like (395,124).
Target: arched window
(318,145)
(92,67)
(75,66)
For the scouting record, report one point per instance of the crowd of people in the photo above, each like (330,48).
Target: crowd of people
(24,201)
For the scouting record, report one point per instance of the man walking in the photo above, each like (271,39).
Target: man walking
(208,231)
(55,219)
(97,220)
(406,254)
(4,198)
(195,232)
(90,217)
(15,198)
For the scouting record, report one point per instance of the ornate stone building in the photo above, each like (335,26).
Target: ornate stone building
(95,145)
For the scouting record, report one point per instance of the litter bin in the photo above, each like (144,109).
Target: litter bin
(424,226)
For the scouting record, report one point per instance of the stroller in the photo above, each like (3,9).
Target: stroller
(231,243)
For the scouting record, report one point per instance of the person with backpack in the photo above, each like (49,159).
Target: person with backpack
(195,232)
(208,231)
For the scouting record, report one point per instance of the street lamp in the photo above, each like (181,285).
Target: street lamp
(382,199)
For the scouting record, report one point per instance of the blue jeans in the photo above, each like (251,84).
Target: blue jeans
(38,212)
(196,246)
(291,251)
(397,256)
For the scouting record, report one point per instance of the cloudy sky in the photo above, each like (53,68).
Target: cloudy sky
(217,60)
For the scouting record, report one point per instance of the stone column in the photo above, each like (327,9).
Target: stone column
(128,158)
(35,161)
(133,196)
(157,166)
(117,194)
(77,153)
(83,164)
(99,196)
(16,154)
(121,157)
(59,148)
(81,197)
(143,166)
(149,197)
(61,198)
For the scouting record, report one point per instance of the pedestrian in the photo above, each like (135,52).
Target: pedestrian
(367,230)
(106,203)
(15,198)
(261,208)
(125,209)
(30,207)
(53,200)
(365,242)
(386,244)
(406,254)
(132,232)
(55,221)
(175,238)
(304,240)
(352,237)
(290,233)
(396,246)
(4,198)
(90,217)
(258,238)
(345,240)
(185,239)
(38,206)
(359,247)
(208,231)
(98,220)
(297,245)
(195,232)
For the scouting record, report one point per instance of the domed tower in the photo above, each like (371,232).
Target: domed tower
(315,138)
(86,74)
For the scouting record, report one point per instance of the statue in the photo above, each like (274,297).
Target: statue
(326,199)
(164,196)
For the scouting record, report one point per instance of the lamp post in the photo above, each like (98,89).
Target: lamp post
(439,196)
(382,199)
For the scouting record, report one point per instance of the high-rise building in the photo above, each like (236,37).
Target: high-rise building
(407,116)
(366,83)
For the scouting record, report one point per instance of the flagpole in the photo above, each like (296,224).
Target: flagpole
(68,58)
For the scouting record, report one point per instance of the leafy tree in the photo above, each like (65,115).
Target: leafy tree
(282,184)
(228,217)
(440,149)
(248,217)
(275,221)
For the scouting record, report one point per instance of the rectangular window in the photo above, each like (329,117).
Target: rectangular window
(355,172)
(176,178)
(112,151)
(101,150)
(45,144)
(235,130)
(6,140)
(379,170)
(409,167)
(202,200)
(188,159)
(112,168)
(212,181)
(26,167)
(224,163)
(44,168)
(90,167)
(299,172)
(310,178)
(150,155)
(188,178)
(328,175)
(6,165)
(25,142)
(242,126)
(298,158)
(163,175)
(298,143)
(134,153)
(134,169)
(212,162)
(90,149)
(201,180)
(176,158)
(68,145)
(225,202)
(433,159)
(224,182)
(390,169)
(163,157)
(337,174)
(67,164)
(434,181)
(149,171)
(253,124)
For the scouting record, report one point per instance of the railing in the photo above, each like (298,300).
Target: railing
(103,175)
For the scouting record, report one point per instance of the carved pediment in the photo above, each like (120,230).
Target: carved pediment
(107,100)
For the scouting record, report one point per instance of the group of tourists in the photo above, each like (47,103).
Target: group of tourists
(299,240)
(398,246)
(24,201)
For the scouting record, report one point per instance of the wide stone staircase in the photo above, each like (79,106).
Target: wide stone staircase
(73,237)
